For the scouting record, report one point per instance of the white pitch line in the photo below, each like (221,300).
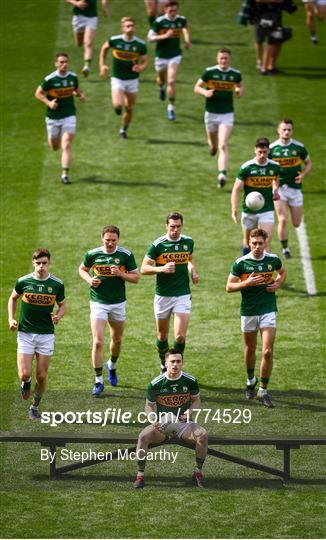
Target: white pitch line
(306,259)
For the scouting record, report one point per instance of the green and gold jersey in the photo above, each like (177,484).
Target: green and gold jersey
(125,55)
(259,178)
(61,88)
(164,250)
(223,82)
(172,395)
(89,11)
(255,299)
(168,48)
(290,157)
(38,299)
(112,289)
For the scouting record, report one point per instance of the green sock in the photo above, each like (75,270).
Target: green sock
(250,372)
(199,463)
(36,400)
(179,346)
(98,371)
(141,465)
(284,243)
(264,382)
(162,347)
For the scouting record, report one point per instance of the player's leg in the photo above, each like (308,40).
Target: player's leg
(163,306)
(42,366)
(268,337)
(198,435)
(68,132)
(296,215)
(150,6)
(321,10)
(161,77)
(259,48)
(148,436)
(249,328)
(224,132)
(162,344)
(281,207)
(181,322)
(89,36)
(245,240)
(24,368)
(129,103)
(211,138)
(53,129)
(98,326)
(116,334)
(172,72)
(310,21)
(117,95)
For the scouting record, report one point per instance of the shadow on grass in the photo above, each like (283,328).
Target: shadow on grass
(215,43)
(303,292)
(168,141)
(99,180)
(289,398)
(301,75)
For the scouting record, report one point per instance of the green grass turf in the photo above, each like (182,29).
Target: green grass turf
(134,183)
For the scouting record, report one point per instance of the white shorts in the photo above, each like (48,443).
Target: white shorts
(252,323)
(164,306)
(80,22)
(56,128)
(131,86)
(108,312)
(162,63)
(290,195)
(213,121)
(317,2)
(35,343)
(250,221)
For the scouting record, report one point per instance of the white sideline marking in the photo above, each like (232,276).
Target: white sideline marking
(306,259)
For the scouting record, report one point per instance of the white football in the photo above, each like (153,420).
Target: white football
(255,201)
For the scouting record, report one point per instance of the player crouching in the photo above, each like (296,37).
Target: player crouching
(174,392)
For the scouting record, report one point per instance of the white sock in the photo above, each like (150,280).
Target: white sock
(99,379)
(112,365)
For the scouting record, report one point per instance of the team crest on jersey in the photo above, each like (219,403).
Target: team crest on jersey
(260,268)
(50,289)
(116,261)
(185,389)
(271,171)
(176,248)
(269,266)
(185,246)
(294,153)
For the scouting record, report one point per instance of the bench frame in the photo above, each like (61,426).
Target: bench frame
(57,440)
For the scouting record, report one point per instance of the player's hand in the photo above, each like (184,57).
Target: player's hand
(136,68)
(169,34)
(169,268)
(103,71)
(81,4)
(13,325)
(82,97)
(115,271)
(234,216)
(187,44)
(272,287)
(298,179)
(238,91)
(55,318)
(95,282)
(194,277)
(53,105)
(276,195)
(209,93)
(253,280)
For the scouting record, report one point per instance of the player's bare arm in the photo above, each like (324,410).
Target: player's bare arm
(12,304)
(60,313)
(105,7)
(239,89)
(148,267)
(200,88)
(276,195)
(41,96)
(234,284)
(80,95)
(153,36)
(192,270)
(142,65)
(80,4)
(131,277)
(301,174)
(195,404)
(281,275)
(237,188)
(102,66)
(186,36)
(91,281)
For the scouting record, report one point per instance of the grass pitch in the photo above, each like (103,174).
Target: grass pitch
(162,167)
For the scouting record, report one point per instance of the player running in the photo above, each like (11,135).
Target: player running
(253,276)
(170,257)
(289,154)
(39,291)
(217,85)
(167,31)
(129,55)
(106,269)
(259,174)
